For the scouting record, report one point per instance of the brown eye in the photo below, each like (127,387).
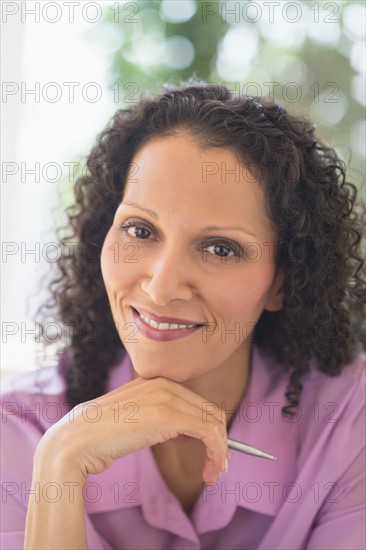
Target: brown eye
(140,231)
(224,250)
(221,250)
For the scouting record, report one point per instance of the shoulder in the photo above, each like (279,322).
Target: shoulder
(34,398)
(332,415)
(345,390)
(329,420)
(49,380)
(37,381)
(31,402)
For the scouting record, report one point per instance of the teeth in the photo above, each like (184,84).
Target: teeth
(164,326)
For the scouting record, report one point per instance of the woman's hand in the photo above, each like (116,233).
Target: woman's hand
(139,414)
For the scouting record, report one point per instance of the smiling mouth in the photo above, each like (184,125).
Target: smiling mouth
(163,326)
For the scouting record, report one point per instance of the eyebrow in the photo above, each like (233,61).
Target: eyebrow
(231,227)
(135,205)
(205,229)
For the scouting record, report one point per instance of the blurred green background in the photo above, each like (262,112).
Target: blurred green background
(308,55)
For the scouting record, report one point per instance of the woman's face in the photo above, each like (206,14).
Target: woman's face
(179,259)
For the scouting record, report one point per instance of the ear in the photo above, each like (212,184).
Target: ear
(276,292)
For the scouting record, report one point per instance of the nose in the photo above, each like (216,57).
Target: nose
(169,276)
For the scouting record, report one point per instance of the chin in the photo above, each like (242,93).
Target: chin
(150,371)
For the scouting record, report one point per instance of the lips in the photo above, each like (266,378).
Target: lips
(161,335)
(171,320)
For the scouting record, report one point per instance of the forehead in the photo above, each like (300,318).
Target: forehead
(179,179)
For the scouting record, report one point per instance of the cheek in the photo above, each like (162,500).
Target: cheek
(107,260)
(245,294)
(118,264)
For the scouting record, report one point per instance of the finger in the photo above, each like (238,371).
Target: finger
(214,437)
(143,386)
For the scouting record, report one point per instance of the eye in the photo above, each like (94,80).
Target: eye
(219,250)
(224,250)
(141,232)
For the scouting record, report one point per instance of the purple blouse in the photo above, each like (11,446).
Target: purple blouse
(312,497)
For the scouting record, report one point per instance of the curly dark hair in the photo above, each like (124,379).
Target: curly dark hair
(313,210)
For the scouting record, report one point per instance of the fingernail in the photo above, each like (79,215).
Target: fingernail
(209,483)
(226,466)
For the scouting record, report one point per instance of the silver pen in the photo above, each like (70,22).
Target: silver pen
(248,449)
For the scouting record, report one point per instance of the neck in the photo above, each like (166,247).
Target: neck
(225,385)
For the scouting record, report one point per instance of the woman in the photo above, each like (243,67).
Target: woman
(216,291)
